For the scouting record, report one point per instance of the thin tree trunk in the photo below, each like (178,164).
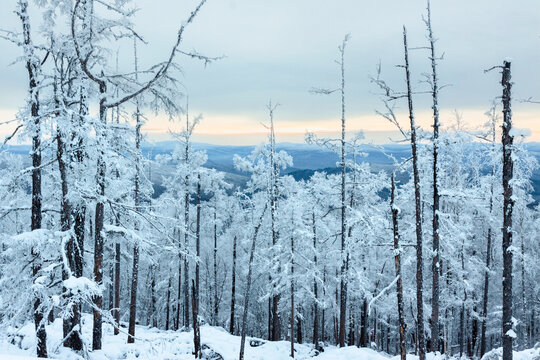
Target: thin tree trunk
(418,205)
(216,304)
(168,306)
(435,267)
(315,289)
(399,286)
(198,242)
(33,68)
(233,288)
(196,330)
(117,289)
(344,250)
(486,272)
(154,298)
(292,297)
(248,286)
(179,295)
(137,200)
(274,175)
(508,173)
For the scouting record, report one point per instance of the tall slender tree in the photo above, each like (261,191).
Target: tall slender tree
(418,209)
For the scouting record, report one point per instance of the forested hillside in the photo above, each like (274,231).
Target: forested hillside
(115,247)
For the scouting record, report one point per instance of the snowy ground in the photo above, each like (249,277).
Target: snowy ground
(164,345)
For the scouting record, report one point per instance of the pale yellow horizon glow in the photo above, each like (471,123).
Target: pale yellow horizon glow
(244,129)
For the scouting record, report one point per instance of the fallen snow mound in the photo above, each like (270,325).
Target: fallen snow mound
(218,344)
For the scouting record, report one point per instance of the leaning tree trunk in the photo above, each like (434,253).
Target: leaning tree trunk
(418,205)
(399,285)
(508,204)
(248,286)
(33,68)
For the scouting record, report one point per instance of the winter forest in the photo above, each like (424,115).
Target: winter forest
(432,256)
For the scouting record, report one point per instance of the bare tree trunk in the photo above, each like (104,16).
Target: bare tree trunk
(248,285)
(344,250)
(198,243)
(274,175)
(179,295)
(196,330)
(168,306)
(292,297)
(418,205)
(233,288)
(399,285)
(488,267)
(364,341)
(72,337)
(435,267)
(508,174)
(186,246)
(216,304)
(117,289)
(323,310)
(137,195)
(32,68)
(315,289)
(154,298)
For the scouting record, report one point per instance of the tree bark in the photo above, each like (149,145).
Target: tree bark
(292,297)
(216,300)
(344,250)
(32,68)
(196,330)
(418,206)
(233,288)
(508,204)
(315,289)
(399,286)
(248,285)
(435,267)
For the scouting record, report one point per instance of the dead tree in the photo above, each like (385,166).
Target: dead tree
(315,288)
(33,68)
(274,176)
(435,266)
(233,288)
(418,206)
(84,56)
(483,326)
(216,299)
(508,205)
(137,200)
(196,329)
(248,285)
(399,285)
(198,243)
(344,250)
(292,297)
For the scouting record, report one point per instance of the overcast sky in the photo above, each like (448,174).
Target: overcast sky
(279,49)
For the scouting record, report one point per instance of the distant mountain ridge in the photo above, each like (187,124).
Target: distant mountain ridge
(306,159)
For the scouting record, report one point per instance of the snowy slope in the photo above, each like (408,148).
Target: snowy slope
(168,345)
